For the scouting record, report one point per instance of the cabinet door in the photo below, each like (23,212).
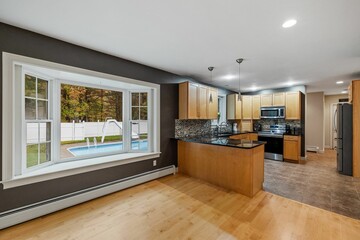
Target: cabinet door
(279,99)
(246,107)
(230,106)
(192,101)
(202,101)
(213,104)
(256,107)
(266,100)
(293,107)
(246,125)
(238,107)
(291,150)
(253,136)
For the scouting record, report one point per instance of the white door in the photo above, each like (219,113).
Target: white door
(333,126)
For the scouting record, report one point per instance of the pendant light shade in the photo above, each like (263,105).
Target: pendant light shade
(239,61)
(211,69)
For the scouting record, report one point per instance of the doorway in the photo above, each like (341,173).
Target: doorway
(333,127)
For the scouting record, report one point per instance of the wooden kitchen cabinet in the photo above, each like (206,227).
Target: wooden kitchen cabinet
(256,107)
(202,102)
(253,136)
(213,104)
(247,107)
(292,149)
(266,100)
(279,99)
(194,101)
(246,125)
(293,106)
(233,107)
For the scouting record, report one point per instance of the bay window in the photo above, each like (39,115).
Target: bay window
(60,115)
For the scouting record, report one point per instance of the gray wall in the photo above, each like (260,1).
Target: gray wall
(314,129)
(22,42)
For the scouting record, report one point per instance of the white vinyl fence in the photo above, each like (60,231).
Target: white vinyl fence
(80,131)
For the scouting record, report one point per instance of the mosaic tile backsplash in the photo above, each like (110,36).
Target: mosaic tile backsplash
(192,128)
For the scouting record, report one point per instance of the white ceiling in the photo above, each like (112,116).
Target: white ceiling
(186,37)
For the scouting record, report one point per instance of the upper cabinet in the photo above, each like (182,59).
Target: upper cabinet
(233,107)
(293,105)
(212,103)
(256,107)
(195,101)
(246,107)
(266,100)
(279,99)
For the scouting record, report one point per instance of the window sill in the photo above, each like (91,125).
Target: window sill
(75,167)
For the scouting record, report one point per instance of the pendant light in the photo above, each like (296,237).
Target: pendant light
(211,69)
(239,61)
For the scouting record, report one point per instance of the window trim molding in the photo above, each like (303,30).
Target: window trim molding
(8,137)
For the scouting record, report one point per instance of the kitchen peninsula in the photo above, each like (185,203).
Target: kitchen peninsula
(233,164)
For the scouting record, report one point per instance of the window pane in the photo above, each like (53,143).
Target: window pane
(143,113)
(30,108)
(32,133)
(143,99)
(42,89)
(45,132)
(32,155)
(91,121)
(42,109)
(139,140)
(135,99)
(135,113)
(45,149)
(30,86)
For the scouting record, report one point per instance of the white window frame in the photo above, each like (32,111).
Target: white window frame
(21,145)
(11,178)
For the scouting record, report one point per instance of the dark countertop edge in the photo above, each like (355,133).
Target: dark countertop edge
(257,142)
(289,134)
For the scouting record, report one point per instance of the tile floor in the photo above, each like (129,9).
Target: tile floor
(316,183)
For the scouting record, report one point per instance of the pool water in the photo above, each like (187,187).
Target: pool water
(108,147)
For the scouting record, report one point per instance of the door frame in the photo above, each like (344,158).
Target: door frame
(332,124)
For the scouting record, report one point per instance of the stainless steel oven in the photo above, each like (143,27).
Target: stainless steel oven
(272,112)
(274,146)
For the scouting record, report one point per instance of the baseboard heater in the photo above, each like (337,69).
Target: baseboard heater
(19,215)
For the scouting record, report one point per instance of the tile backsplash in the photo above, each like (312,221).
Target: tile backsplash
(265,123)
(192,128)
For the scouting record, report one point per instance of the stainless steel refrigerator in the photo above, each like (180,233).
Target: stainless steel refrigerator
(344,138)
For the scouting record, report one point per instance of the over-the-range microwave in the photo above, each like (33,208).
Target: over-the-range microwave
(272,112)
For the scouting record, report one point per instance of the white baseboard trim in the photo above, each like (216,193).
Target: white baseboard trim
(32,211)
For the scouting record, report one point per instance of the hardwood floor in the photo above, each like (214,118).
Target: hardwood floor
(179,207)
(316,183)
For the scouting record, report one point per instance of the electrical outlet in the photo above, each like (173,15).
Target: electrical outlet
(154,163)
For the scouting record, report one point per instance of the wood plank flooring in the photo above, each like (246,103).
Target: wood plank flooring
(179,207)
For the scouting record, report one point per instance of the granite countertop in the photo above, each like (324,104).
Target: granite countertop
(226,134)
(223,141)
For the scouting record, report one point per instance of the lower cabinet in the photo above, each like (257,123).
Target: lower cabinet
(292,149)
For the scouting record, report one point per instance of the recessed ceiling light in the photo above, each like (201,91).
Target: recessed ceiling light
(345,91)
(229,77)
(289,23)
(254,88)
(290,83)
(339,82)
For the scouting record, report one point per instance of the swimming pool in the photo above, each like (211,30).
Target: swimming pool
(107,147)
